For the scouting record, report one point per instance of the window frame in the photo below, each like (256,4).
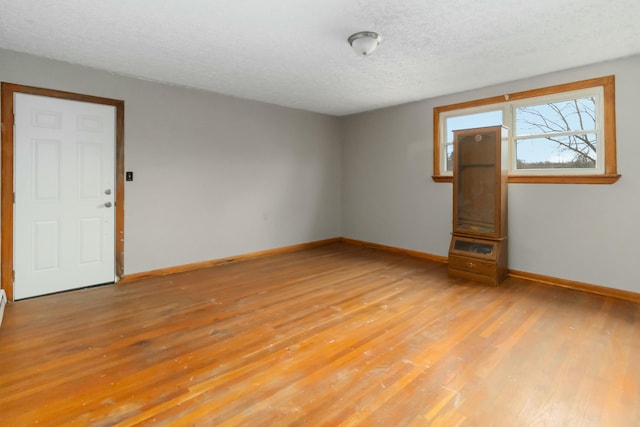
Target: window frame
(504,103)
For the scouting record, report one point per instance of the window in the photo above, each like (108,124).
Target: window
(558,134)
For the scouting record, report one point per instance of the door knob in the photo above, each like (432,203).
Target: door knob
(107,191)
(108,204)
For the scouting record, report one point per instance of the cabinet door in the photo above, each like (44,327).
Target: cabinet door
(476,181)
(476,200)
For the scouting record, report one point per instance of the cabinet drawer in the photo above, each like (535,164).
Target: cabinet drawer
(473,265)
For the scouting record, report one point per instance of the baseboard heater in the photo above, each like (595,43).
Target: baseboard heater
(3,302)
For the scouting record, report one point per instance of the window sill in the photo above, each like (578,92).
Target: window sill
(549,179)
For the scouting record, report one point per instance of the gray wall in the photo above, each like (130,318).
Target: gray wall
(215,176)
(585,233)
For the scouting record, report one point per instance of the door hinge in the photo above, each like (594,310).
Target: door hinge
(13,276)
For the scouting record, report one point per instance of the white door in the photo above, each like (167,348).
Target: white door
(64,175)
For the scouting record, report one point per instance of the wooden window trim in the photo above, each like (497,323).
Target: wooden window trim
(610,174)
(6,211)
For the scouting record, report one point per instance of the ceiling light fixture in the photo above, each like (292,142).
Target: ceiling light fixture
(364,42)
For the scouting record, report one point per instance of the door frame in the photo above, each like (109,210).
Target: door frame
(7,186)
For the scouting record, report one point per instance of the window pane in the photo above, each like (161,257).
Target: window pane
(449,151)
(470,121)
(560,116)
(558,152)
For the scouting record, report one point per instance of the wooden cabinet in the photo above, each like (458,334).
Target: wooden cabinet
(478,249)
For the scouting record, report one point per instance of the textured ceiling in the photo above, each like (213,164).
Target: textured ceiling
(294,52)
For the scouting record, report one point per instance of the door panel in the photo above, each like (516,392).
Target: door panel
(90,240)
(46,173)
(89,171)
(45,246)
(64,235)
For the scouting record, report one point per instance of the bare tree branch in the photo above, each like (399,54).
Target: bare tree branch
(559,117)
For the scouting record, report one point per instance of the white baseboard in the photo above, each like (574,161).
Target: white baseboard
(3,302)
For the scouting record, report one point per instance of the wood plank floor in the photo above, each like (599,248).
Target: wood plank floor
(333,335)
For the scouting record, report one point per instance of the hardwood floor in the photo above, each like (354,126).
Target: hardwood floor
(333,335)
